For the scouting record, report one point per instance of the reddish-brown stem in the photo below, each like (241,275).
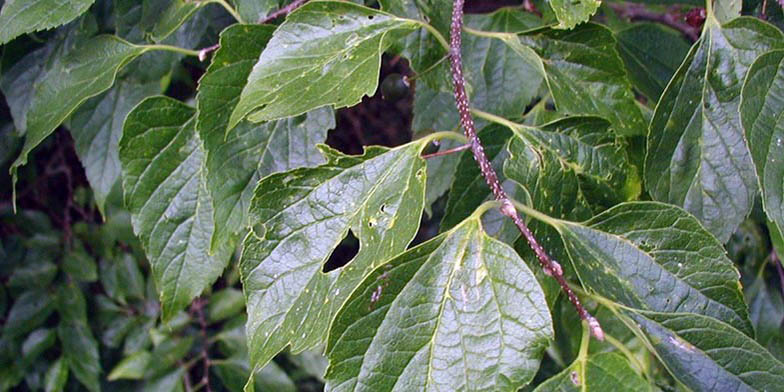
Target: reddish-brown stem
(550,266)
(447,152)
(283,11)
(635,12)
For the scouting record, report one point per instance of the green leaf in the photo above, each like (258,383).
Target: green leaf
(162,18)
(568,163)
(706,354)
(165,190)
(28,312)
(651,54)
(571,13)
(234,371)
(235,162)
(131,367)
(56,376)
(80,266)
(87,71)
(727,10)
(97,127)
(325,53)
(253,10)
(583,72)
(440,174)
(37,342)
(760,112)
(766,311)
(459,312)
(224,304)
(34,273)
(603,372)
(26,16)
(298,219)
(697,157)
(656,257)
(170,382)
(78,345)
(20,80)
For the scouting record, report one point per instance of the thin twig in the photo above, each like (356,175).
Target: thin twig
(197,308)
(447,152)
(283,11)
(204,52)
(635,12)
(550,266)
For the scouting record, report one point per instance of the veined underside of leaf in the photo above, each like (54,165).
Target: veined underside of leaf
(325,53)
(706,354)
(299,217)
(656,257)
(166,193)
(461,312)
(697,156)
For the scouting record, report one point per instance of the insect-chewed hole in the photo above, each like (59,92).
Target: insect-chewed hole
(343,253)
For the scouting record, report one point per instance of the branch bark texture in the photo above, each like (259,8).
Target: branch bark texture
(550,266)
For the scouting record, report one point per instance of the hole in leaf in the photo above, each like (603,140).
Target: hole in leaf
(370,17)
(343,253)
(383,208)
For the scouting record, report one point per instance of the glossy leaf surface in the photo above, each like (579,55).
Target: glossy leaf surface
(697,157)
(89,70)
(460,312)
(235,162)
(165,190)
(299,217)
(26,16)
(762,102)
(326,53)
(653,256)
(599,372)
(705,354)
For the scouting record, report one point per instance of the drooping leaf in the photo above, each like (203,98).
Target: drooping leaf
(657,257)
(235,162)
(697,157)
(28,312)
(652,54)
(36,343)
(234,372)
(602,372)
(708,355)
(165,190)
(89,70)
(132,367)
(79,347)
(572,13)
(760,112)
(583,72)
(19,81)
(96,128)
(224,304)
(766,311)
(459,312)
(298,219)
(325,53)
(162,17)
(26,16)
(56,376)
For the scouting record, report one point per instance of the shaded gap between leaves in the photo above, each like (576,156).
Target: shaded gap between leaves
(343,253)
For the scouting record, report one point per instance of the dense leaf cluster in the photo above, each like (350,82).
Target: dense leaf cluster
(651,167)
